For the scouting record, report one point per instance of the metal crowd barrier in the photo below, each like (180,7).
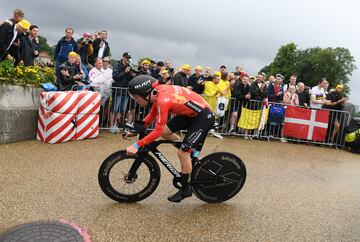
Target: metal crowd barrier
(242,118)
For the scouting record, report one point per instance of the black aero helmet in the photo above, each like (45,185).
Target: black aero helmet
(142,85)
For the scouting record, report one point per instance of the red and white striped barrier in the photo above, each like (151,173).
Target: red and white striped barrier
(65,116)
(87,126)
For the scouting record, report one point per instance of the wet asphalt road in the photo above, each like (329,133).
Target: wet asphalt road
(292,193)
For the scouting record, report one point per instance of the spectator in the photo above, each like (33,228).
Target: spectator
(274,90)
(290,97)
(223,69)
(240,94)
(69,74)
(65,45)
(156,71)
(238,72)
(258,88)
(211,92)
(317,98)
(196,81)
(182,77)
(292,82)
(270,80)
(101,47)
(326,87)
(81,68)
(252,79)
(226,82)
(165,77)
(100,81)
(336,102)
(107,70)
(144,68)
(85,49)
(169,68)
(96,35)
(17,17)
(122,74)
(8,34)
(14,49)
(304,96)
(29,46)
(207,74)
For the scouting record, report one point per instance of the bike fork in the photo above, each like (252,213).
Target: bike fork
(133,169)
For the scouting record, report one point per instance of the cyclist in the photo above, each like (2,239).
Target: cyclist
(192,113)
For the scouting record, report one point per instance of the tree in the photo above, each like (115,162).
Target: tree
(44,46)
(312,64)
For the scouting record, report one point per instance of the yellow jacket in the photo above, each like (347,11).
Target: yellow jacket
(210,94)
(223,84)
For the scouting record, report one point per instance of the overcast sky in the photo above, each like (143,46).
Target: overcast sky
(203,32)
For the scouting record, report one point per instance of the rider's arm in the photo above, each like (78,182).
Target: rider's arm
(161,119)
(151,116)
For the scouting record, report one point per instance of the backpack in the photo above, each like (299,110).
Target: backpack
(352,137)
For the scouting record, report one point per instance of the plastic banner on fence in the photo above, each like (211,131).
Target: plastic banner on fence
(276,114)
(221,105)
(307,124)
(249,119)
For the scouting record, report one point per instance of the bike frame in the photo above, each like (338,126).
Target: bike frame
(153,149)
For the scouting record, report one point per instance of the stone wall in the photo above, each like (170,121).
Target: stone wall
(18,113)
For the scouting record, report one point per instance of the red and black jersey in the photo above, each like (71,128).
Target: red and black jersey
(171,99)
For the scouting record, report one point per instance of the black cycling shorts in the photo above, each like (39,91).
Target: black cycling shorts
(197,129)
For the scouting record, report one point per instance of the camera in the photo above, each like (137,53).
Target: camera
(87,41)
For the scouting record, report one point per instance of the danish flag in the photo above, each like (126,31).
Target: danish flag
(307,124)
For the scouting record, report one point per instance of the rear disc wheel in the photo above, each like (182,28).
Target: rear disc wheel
(226,170)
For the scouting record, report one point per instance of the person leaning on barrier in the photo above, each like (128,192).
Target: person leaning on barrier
(317,98)
(122,74)
(336,101)
(258,88)
(304,96)
(211,93)
(99,81)
(290,96)
(240,94)
(274,90)
(70,75)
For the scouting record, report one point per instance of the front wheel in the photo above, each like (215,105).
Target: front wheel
(118,184)
(218,177)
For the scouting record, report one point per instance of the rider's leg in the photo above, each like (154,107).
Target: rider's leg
(185,160)
(194,137)
(169,135)
(186,167)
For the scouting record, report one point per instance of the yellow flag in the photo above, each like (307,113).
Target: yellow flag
(249,119)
